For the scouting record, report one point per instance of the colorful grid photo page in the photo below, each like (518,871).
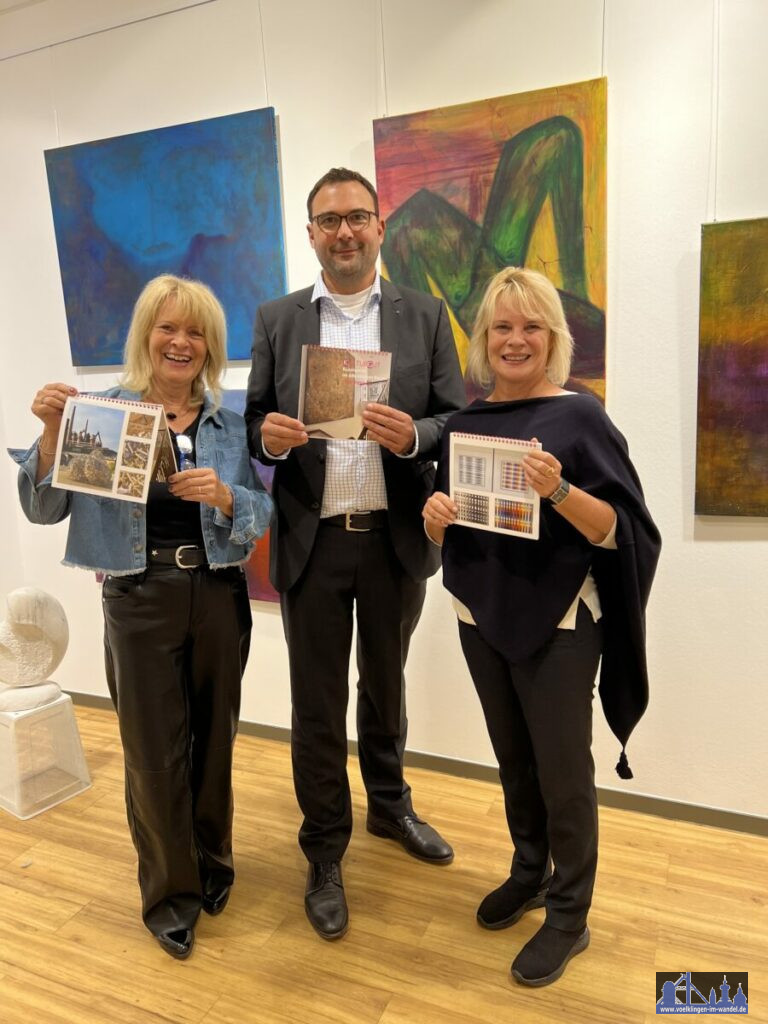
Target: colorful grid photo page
(488,484)
(112,448)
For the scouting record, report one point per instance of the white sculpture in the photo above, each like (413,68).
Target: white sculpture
(33,640)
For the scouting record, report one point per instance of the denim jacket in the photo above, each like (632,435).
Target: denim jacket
(109,536)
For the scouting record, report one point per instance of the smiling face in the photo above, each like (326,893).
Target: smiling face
(348,257)
(518,350)
(177,349)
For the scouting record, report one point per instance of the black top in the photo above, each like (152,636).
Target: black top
(171,521)
(518,590)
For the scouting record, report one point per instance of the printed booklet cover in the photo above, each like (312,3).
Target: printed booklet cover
(112,447)
(335,385)
(488,484)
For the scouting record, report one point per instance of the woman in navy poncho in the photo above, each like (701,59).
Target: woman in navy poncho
(535,616)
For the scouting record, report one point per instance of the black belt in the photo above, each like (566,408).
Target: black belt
(187,556)
(358,522)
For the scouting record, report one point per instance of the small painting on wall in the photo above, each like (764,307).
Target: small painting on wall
(200,200)
(732,421)
(513,181)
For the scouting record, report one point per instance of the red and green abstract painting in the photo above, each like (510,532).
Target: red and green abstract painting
(732,421)
(512,181)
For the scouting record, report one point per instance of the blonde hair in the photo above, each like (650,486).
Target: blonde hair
(533,295)
(195,301)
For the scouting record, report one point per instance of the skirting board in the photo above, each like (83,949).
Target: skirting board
(642,803)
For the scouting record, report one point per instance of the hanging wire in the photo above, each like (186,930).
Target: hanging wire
(263,55)
(711,211)
(384,87)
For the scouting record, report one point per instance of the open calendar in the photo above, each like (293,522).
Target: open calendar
(112,447)
(488,484)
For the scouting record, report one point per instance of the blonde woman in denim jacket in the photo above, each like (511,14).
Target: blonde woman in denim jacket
(177,619)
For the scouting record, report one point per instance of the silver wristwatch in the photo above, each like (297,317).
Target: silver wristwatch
(560,494)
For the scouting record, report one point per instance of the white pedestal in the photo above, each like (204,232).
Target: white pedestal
(41,758)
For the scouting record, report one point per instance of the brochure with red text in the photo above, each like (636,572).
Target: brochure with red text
(336,384)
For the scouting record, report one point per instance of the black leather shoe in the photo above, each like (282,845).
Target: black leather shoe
(414,835)
(324,900)
(544,958)
(178,943)
(507,904)
(215,898)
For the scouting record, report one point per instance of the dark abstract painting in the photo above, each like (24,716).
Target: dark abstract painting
(732,422)
(199,200)
(512,181)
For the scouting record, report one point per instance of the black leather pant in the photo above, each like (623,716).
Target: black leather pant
(539,718)
(176,643)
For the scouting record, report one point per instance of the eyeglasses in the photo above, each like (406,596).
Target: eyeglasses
(357,220)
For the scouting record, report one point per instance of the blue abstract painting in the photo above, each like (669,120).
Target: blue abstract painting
(200,200)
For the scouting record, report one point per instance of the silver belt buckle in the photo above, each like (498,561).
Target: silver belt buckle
(177,553)
(355,529)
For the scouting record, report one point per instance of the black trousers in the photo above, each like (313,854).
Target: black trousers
(176,643)
(539,718)
(347,574)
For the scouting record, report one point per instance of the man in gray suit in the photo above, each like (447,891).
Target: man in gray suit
(348,536)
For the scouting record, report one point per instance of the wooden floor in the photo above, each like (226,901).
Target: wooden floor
(670,896)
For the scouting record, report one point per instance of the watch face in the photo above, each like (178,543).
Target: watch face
(561,493)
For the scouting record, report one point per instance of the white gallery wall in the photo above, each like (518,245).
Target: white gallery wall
(687,143)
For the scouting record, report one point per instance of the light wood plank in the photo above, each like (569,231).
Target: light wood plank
(669,896)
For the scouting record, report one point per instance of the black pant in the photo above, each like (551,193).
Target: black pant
(176,643)
(347,572)
(539,718)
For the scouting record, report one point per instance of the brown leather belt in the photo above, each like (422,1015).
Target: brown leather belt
(187,556)
(358,522)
